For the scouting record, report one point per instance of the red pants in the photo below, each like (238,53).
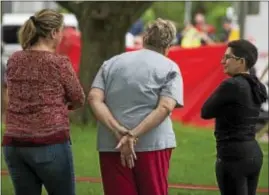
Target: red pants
(148,177)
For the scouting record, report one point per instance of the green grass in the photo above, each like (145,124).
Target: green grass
(192,161)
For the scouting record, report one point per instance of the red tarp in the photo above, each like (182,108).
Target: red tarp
(70,46)
(200,68)
(202,73)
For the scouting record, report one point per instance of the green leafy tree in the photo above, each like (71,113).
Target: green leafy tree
(148,16)
(170,10)
(214,11)
(103,26)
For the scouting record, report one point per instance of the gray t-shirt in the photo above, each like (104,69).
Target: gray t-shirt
(133,83)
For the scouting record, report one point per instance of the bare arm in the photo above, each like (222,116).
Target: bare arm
(96,100)
(207,39)
(164,108)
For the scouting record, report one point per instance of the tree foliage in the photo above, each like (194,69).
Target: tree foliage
(214,11)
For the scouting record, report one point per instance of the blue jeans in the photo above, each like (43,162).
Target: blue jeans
(51,165)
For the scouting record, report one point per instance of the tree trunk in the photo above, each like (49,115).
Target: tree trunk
(98,46)
(103,26)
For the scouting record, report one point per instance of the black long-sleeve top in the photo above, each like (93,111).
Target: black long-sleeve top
(235,105)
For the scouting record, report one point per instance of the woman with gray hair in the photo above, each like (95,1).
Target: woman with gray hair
(132,96)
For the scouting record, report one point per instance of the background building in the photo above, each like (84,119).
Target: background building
(26,6)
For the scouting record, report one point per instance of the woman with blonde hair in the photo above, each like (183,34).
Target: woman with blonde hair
(132,96)
(42,87)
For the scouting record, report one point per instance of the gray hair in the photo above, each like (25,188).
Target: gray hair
(160,34)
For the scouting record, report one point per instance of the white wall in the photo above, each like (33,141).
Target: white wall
(31,6)
(256,28)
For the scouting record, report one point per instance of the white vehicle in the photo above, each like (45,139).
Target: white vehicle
(11,23)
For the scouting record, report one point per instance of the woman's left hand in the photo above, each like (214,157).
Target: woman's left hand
(130,141)
(127,158)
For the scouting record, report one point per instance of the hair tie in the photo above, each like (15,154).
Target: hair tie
(33,19)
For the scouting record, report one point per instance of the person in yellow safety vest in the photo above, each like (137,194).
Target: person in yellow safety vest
(191,37)
(235,33)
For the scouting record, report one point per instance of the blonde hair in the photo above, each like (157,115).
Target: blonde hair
(160,34)
(39,25)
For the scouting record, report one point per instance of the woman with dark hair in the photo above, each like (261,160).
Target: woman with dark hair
(42,86)
(235,104)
